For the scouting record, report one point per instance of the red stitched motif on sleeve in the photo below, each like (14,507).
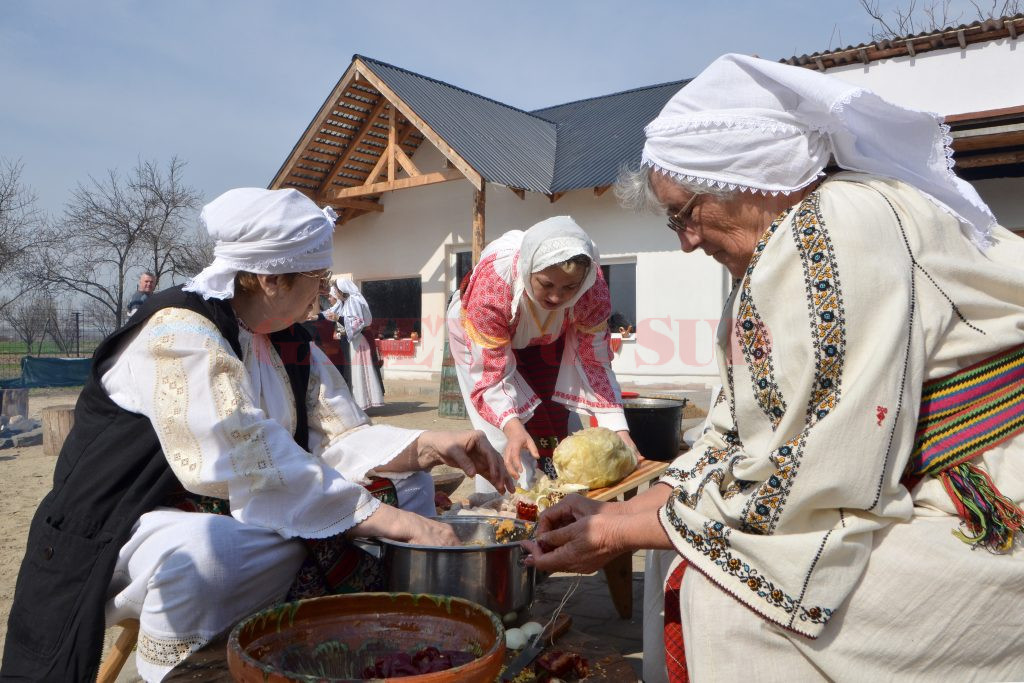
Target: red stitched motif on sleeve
(880,412)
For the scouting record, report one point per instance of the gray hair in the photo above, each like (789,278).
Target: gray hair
(634,192)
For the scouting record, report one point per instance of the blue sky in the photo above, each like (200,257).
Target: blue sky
(229,85)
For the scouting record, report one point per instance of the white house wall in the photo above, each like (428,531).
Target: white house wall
(981,77)
(679,296)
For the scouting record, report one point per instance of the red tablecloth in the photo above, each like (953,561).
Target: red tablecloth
(398,348)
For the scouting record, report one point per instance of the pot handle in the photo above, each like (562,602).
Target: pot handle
(370,545)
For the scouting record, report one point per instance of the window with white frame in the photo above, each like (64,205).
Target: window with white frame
(621,279)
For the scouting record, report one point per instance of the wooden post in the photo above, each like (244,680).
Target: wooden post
(57,423)
(14,402)
(479,198)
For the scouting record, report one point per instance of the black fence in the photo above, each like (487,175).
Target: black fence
(49,332)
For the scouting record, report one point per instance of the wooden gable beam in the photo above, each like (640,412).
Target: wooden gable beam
(358,204)
(347,154)
(313,129)
(600,190)
(468,171)
(397,184)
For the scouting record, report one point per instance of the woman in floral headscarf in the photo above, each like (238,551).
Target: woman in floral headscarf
(529,337)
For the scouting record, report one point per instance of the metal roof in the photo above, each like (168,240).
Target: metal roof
(597,136)
(503,144)
(554,149)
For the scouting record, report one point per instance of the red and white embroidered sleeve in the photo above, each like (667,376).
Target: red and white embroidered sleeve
(591,315)
(486,312)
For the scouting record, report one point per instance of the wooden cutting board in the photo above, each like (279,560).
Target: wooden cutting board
(646,471)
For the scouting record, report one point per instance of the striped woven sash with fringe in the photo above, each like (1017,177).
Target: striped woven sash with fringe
(962,416)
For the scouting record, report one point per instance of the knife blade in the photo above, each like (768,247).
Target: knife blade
(536,645)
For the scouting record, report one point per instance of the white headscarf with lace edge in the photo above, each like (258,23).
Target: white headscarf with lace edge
(753,125)
(552,241)
(262,231)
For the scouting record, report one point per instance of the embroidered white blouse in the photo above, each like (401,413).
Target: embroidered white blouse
(226,424)
(843,314)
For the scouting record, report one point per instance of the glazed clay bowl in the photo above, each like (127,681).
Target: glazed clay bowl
(335,638)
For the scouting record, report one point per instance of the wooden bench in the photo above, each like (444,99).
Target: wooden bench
(619,572)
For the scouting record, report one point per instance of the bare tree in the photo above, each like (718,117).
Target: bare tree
(61,325)
(170,205)
(193,253)
(20,224)
(110,227)
(27,317)
(907,19)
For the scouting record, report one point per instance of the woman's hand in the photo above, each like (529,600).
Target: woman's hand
(583,546)
(628,440)
(568,510)
(467,450)
(424,531)
(408,527)
(518,439)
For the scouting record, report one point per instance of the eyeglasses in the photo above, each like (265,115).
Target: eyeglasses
(677,220)
(324,275)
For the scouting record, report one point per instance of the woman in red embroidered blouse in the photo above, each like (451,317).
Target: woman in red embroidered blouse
(529,336)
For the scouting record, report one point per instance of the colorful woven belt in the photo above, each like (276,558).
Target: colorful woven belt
(962,416)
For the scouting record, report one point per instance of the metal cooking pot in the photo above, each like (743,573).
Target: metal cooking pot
(654,426)
(482,569)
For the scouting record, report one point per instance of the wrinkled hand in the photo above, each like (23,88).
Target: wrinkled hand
(424,531)
(568,510)
(401,525)
(467,450)
(583,546)
(518,439)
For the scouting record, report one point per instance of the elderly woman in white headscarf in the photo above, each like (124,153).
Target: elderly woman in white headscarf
(353,315)
(871,417)
(217,462)
(529,337)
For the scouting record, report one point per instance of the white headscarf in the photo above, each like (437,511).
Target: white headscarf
(262,231)
(355,309)
(754,125)
(554,240)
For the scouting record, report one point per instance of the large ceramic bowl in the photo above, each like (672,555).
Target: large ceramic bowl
(336,638)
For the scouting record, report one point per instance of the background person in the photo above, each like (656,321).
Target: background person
(217,462)
(871,357)
(147,285)
(529,338)
(353,315)
(323,332)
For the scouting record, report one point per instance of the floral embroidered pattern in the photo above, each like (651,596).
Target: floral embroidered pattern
(755,340)
(761,512)
(712,542)
(828,339)
(824,306)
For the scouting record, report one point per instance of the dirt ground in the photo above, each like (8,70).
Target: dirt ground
(25,473)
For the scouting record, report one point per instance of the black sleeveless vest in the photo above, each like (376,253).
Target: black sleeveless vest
(110,471)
